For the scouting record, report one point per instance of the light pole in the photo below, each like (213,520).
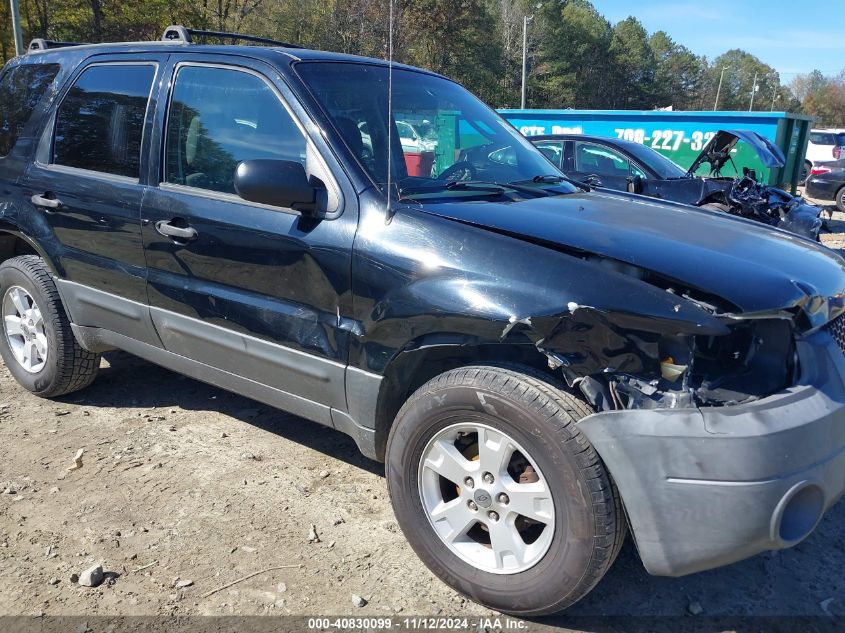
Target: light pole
(525,22)
(719,89)
(753,91)
(16,27)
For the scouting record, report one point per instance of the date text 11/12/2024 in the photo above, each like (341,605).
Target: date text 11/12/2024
(417,623)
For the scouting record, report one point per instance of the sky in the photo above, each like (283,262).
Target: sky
(791,36)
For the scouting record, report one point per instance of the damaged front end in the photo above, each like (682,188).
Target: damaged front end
(756,359)
(746,197)
(618,366)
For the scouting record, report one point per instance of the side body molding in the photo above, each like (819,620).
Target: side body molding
(229,360)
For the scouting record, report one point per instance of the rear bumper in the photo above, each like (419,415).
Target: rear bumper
(707,487)
(822,189)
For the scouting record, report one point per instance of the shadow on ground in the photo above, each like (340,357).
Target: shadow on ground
(806,581)
(128,381)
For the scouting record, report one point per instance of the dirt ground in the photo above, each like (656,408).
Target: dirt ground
(184,482)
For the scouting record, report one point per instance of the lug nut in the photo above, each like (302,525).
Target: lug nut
(503,499)
(494,516)
(471,505)
(488,478)
(469,483)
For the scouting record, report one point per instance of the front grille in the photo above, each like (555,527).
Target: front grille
(837,331)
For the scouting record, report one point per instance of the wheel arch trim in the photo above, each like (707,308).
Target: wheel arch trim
(9,230)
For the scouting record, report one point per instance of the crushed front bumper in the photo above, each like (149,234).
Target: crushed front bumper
(707,487)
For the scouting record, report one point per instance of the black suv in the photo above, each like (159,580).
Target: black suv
(540,365)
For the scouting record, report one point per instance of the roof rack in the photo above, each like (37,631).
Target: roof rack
(179,33)
(39,44)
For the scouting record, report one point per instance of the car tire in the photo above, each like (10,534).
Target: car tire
(54,364)
(536,419)
(840,200)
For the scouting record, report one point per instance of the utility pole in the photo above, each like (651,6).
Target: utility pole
(719,89)
(753,91)
(774,96)
(525,22)
(16,27)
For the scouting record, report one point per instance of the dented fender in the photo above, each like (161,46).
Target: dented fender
(448,290)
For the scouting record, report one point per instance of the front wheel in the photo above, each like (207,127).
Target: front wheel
(499,493)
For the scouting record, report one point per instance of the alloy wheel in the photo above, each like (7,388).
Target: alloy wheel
(23,324)
(486,499)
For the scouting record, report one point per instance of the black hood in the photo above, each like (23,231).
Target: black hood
(755,268)
(718,150)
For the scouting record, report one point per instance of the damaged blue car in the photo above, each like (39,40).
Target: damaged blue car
(625,165)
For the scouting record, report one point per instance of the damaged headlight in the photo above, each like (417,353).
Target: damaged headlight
(755,360)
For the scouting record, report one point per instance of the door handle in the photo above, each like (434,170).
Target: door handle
(593,180)
(45,202)
(187,234)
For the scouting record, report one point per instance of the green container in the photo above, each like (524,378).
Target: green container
(681,135)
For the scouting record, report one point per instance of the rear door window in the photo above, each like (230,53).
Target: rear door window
(219,117)
(100,123)
(601,160)
(21,88)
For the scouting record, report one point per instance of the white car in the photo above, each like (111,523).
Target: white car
(412,140)
(824,145)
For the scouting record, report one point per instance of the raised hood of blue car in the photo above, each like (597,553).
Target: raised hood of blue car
(718,149)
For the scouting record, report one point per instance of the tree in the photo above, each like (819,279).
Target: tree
(576,58)
(828,103)
(679,74)
(633,65)
(740,70)
(804,85)
(573,63)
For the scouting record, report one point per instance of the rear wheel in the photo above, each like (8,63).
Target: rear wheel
(36,340)
(840,200)
(499,493)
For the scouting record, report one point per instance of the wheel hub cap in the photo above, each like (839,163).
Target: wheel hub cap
(483,498)
(497,525)
(23,325)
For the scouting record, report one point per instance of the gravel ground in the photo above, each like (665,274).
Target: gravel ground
(185,489)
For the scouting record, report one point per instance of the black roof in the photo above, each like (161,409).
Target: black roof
(618,142)
(267,53)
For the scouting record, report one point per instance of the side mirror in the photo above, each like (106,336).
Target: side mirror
(635,184)
(279,183)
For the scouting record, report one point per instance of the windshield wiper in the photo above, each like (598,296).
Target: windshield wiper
(481,187)
(552,179)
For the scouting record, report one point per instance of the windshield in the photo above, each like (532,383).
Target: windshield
(664,167)
(441,133)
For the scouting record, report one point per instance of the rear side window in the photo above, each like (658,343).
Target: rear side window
(219,117)
(100,124)
(21,88)
(822,138)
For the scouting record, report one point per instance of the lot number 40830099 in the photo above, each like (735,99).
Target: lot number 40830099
(670,140)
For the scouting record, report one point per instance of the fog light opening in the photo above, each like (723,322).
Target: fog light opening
(799,511)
